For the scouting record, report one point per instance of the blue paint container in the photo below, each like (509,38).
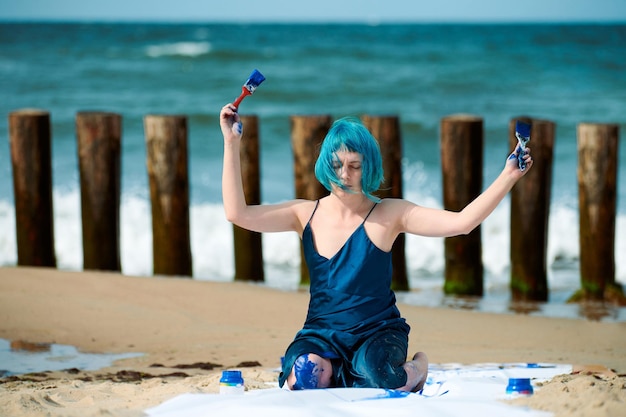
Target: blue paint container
(231,383)
(519,387)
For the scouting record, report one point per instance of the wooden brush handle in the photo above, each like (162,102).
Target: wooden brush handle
(244,92)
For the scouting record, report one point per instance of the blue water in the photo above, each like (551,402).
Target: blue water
(565,73)
(54,357)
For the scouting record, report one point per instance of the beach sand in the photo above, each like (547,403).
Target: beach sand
(189,331)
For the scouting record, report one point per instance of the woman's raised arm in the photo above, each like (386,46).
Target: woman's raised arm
(259,218)
(443,223)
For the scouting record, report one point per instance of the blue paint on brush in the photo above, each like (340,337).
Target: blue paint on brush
(304,369)
(522,133)
(255,79)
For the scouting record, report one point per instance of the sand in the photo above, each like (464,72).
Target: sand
(188,331)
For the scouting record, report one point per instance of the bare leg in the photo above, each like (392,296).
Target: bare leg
(416,372)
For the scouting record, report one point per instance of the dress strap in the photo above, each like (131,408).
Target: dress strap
(317,203)
(370,212)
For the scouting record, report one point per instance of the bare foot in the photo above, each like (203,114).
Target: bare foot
(416,372)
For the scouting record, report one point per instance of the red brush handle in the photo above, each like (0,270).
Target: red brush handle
(244,92)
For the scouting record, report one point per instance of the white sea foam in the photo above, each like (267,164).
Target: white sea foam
(212,244)
(8,245)
(191,49)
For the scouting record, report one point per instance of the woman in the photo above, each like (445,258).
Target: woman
(353,335)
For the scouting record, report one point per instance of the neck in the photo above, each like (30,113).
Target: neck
(352,202)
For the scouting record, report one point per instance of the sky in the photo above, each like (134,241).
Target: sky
(365,11)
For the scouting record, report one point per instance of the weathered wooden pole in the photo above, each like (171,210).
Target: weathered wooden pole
(461,163)
(31,158)
(307,134)
(386,129)
(99,138)
(530,211)
(166,143)
(597,201)
(248,244)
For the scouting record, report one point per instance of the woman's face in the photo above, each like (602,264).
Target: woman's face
(348,169)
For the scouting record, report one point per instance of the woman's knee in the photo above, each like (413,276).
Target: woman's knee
(382,375)
(310,371)
(379,362)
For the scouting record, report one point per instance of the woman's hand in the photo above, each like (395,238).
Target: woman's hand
(512,165)
(232,129)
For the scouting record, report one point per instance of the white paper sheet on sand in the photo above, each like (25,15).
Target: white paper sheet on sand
(451,390)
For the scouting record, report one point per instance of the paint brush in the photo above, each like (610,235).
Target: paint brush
(255,79)
(522,133)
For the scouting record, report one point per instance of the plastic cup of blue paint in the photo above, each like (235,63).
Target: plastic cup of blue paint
(231,382)
(519,387)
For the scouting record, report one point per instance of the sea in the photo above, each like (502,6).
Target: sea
(565,73)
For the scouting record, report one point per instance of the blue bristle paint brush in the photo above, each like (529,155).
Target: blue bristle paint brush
(255,79)
(522,133)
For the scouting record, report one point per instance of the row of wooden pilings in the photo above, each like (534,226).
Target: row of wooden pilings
(461,136)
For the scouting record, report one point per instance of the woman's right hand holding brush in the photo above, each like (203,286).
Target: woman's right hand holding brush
(231,125)
(232,184)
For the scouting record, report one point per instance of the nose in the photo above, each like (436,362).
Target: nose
(343,172)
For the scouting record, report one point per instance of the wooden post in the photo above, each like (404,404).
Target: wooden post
(31,158)
(386,129)
(530,209)
(597,200)
(307,134)
(99,136)
(166,142)
(248,244)
(461,163)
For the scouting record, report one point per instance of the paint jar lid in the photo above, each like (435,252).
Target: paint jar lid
(231,378)
(519,387)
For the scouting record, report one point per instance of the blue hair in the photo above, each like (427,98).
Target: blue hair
(349,134)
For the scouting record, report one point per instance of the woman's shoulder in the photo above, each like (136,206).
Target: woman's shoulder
(394,210)
(395,203)
(303,209)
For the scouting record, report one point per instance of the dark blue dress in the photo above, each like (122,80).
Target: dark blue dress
(351,305)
